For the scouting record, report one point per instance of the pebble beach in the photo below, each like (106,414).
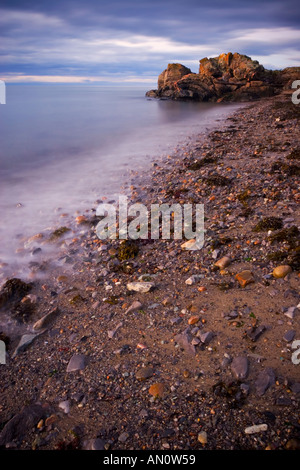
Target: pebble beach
(146,345)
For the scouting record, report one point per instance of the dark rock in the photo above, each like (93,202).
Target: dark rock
(22,423)
(13,291)
(264,380)
(240,367)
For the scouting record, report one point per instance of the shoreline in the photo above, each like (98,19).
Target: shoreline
(184,340)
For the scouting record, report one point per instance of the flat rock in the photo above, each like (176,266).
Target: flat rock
(25,341)
(144,373)
(77,362)
(244,278)
(291,312)
(141,286)
(265,379)
(289,335)
(205,337)
(255,332)
(46,319)
(240,367)
(183,340)
(136,305)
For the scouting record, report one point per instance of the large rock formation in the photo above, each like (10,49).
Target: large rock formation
(229,77)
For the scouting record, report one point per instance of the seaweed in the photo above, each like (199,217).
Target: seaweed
(290,235)
(197,164)
(59,232)
(217,180)
(127,250)
(294,155)
(285,169)
(268,223)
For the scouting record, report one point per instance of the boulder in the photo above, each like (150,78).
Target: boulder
(228,77)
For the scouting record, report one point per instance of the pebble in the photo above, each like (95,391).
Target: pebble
(289,335)
(193,279)
(65,406)
(136,305)
(144,373)
(265,379)
(77,362)
(24,342)
(291,312)
(157,390)
(281,271)
(223,262)
(93,444)
(205,338)
(256,428)
(46,319)
(240,367)
(202,437)
(244,278)
(141,286)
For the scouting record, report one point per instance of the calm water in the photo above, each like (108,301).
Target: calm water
(65,146)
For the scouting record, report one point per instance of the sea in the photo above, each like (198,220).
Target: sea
(63,147)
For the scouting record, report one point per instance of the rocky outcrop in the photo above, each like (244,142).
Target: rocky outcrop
(228,77)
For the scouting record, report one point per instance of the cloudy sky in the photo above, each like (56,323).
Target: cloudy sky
(132,41)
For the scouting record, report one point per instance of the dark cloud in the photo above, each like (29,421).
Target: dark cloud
(141,37)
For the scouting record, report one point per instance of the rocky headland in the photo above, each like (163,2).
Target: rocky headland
(146,345)
(228,77)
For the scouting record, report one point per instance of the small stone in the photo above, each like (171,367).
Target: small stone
(264,380)
(281,271)
(223,262)
(183,340)
(65,406)
(205,338)
(194,319)
(157,390)
(46,319)
(202,437)
(112,333)
(144,373)
(289,335)
(256,428)
(291,312)
(141,286)
(189,245)
(94,444)
(136,305)
(24,342)
(255,332)
(240,367)
(244,278)
(193,279)
(81,219)
(77,362)
(123,437)
(51,420)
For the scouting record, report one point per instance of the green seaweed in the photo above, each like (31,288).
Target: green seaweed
(59,232)
(127,250)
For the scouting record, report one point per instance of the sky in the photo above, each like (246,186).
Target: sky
(132,41)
